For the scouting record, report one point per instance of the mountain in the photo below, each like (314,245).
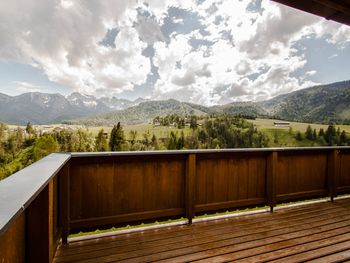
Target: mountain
(319,104)
(35,107)
(87,102)
(44,108)
(143,112)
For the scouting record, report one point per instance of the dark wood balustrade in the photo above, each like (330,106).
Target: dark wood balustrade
(67,193)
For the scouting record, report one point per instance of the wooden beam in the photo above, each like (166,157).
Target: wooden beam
(64,196)
(190,186)
(39,227)
(271,172)
(333,173)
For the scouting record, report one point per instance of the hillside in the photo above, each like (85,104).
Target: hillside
(319,104)
(144,112)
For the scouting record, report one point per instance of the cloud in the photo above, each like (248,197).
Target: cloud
(200,51)
(24,87)
(149,30)
(63,38)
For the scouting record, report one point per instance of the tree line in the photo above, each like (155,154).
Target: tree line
(21,147)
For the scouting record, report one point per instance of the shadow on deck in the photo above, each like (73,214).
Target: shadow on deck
(319,232)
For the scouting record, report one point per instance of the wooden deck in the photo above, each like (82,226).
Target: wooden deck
(315,232)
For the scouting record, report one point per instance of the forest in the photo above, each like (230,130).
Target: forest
(20,147)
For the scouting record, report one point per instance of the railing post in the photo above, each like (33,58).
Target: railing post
(333,170)
(271,179)
(64,192)
(39,225)
(190,186)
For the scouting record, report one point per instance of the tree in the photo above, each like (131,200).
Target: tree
(181,141)
(331,135)
(3,128)
(298,136)
(343,138)
(154,142)
(172,141)
(83,141)
(116,139)
(321,133)
(146,139)
(29,128)
(43,146)
(309,133)
(101,144)
(132,139)
(193,122)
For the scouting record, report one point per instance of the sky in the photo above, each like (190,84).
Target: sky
(202,51)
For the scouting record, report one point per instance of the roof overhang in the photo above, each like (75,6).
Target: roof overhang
(336,10)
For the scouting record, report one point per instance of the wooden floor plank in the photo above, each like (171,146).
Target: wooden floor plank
(333,258)
(202,225)
(317,253)
(211,235)
(312,232)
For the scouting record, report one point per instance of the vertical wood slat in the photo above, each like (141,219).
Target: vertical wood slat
(190,186)
(64,195)
(333,173)
(39,227)
(271,172)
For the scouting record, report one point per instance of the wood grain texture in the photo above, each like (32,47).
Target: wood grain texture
(230,178)
(12,242)
(299,172)
(115,187)
(343,182)
(40,236)
(318,232)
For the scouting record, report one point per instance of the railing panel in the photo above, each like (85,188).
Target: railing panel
(301,175)
(230,180)
(343,182)
(12,242)
(116,189)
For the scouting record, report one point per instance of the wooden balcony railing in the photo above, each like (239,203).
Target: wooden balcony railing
(66,193)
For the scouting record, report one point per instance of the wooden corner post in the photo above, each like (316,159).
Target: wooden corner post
(271,170)
(190,186)
(64,195)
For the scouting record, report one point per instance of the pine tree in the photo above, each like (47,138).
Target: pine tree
(309,133)
(29,128)
(172,141)
(101,144)
(116,139)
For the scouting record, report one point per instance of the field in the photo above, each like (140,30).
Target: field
(158,131)
(278,136)
(285,136)
(263,124)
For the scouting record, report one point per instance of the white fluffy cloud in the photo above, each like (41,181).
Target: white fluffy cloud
(62,38)
(236,50)
(252,57)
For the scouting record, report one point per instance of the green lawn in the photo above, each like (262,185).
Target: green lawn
(296,126)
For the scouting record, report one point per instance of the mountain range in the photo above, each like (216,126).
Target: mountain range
(44,108)
(318,104)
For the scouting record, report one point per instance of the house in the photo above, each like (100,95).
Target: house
(281,124)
